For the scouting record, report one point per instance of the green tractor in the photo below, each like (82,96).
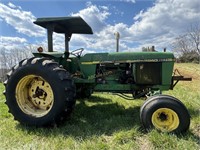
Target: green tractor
(42,90)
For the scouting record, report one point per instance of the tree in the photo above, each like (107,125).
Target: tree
(10,57)
(187,46)
(194,34)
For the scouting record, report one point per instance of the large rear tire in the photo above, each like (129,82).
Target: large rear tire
(39,92)
(165,113)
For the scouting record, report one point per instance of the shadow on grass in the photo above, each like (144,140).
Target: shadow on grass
(95,99)
(187,136)
(194,113)
(98,119)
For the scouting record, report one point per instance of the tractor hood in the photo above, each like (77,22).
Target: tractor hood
(126,57)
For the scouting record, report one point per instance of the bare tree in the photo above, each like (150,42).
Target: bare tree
(3,69)
(11,57)
(194,34)
(181,44)
(189,42)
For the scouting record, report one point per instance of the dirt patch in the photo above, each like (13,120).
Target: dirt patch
(144,143)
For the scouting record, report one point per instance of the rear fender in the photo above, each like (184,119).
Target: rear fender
(53,55)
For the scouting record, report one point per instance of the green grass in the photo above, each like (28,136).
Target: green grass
(105,121)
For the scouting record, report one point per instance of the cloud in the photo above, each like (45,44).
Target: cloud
(94,16)
(164,21)
(11,5)
(21,21)
(130,1)
(158,25)
(12,39)
(117,11)
(103,39)
(11,42)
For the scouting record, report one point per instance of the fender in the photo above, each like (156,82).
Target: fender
(53,55)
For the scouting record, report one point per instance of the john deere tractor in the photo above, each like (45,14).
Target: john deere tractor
(42,90)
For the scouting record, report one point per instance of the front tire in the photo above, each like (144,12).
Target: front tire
(39,92)
(165,113)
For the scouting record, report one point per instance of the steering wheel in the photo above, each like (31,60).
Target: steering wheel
(77,52)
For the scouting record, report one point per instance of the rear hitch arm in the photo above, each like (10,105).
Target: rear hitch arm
(176,78)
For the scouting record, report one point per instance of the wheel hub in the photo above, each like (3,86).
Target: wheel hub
(39,93)
(162,117)
(34,95)
(165,119)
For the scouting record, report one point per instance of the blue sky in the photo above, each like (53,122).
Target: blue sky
(141,23)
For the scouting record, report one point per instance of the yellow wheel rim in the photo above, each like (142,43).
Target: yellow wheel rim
(34,96)
(165,119)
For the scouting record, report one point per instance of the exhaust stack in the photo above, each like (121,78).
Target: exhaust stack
(117,36)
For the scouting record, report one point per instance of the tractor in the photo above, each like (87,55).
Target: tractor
(42,90)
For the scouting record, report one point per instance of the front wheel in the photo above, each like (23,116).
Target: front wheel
(165,113)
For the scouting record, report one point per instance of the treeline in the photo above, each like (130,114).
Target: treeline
(11,57)
(187,46)
(190,57)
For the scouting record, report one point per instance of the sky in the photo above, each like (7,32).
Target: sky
(141,23)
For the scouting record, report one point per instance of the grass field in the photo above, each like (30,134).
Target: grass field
(105,121)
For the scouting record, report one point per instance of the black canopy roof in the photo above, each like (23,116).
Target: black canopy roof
(67,25)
